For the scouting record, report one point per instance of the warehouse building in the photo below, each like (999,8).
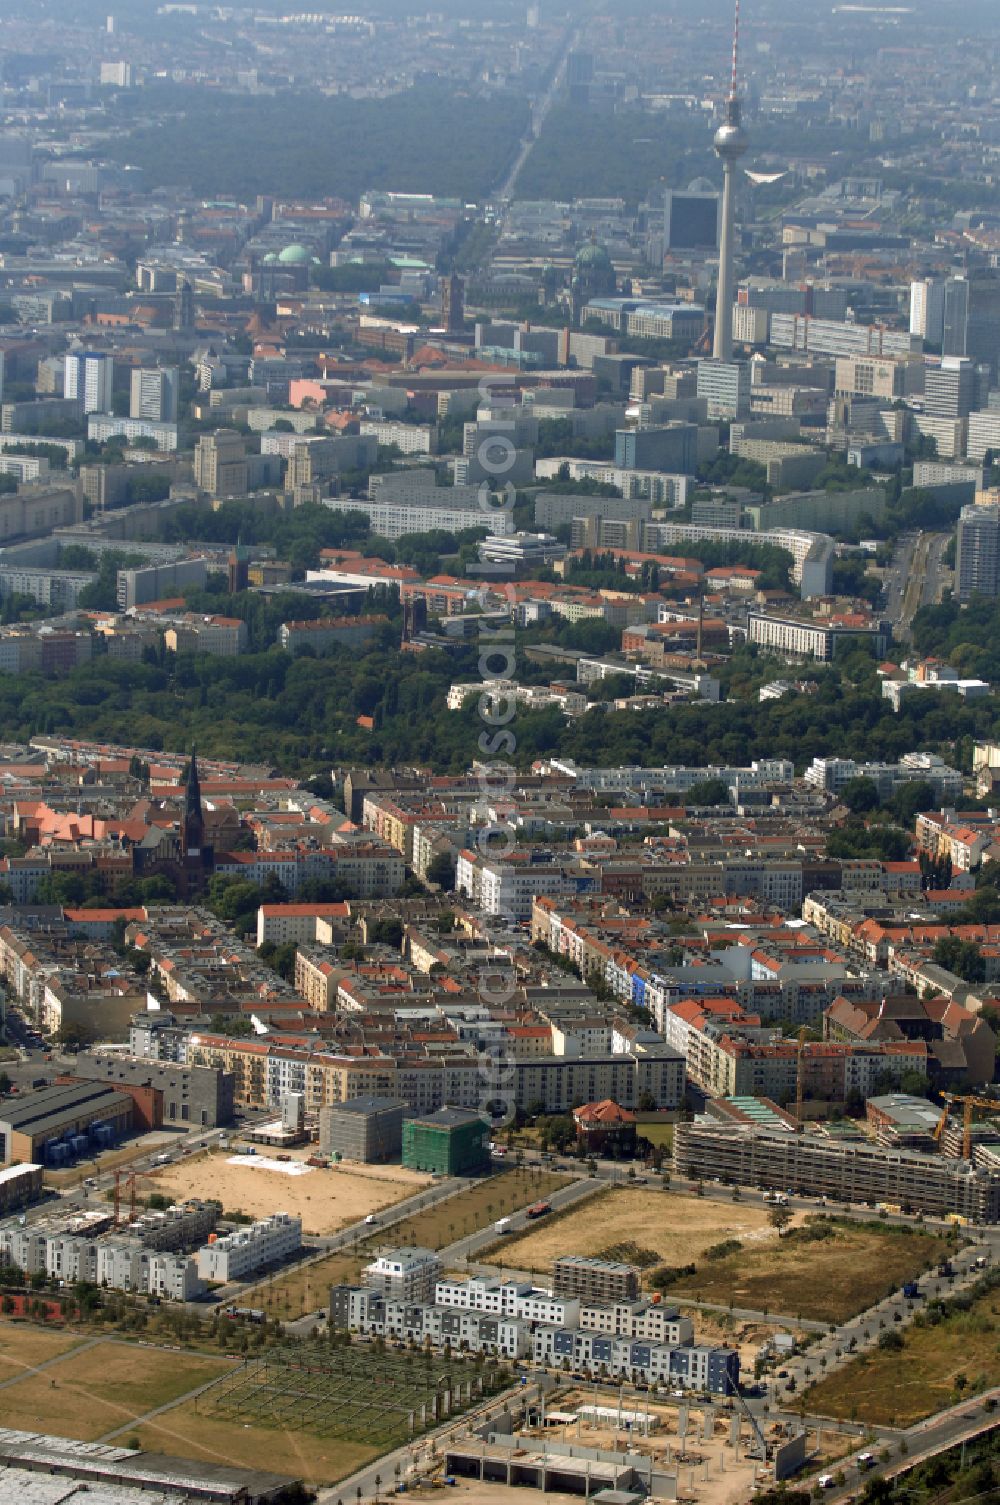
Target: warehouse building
(366,1129)
(452,1141)
(195,1096)
(55,1125)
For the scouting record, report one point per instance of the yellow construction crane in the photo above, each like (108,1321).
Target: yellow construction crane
(969,1103)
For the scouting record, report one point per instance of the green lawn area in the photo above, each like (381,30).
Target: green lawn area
(899,1388)
(824,1279)
(660,1135)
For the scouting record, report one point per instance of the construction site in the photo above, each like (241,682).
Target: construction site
(592,1445)
(353,1393)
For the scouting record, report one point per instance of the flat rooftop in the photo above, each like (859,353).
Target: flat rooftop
(105,1467)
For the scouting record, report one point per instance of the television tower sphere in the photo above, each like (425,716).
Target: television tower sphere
(731,140)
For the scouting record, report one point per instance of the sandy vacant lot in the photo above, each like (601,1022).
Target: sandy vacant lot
(324,1199)
(680,1228)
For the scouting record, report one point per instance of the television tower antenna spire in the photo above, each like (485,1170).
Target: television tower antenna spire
(730,144)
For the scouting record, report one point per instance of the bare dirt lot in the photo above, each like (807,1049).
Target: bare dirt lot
(324,1199)
(678,1227)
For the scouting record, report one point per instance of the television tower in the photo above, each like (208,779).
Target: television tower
(730,144)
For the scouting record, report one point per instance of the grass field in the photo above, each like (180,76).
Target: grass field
(898,1389)
(22,1347)
(680,1228)
(218,1439)
(827,1280)
(89,1394)
(661,1135)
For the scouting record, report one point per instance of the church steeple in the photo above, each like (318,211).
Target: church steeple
(194,820)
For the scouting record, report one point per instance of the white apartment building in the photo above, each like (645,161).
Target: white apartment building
(507,1298)
(833,773)
(267,1242)
(153,392)
(508,888)
(409,438)
(407,1275)
(394,519)
(88,379)
(101,427)
(983,433)
(637,1319)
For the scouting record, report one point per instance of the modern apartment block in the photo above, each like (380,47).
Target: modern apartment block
(816,1165)
(149,1256)
(408,1275)
(365,1129)
(597,1280)
(153,392)
(798,638)
(270,1241)
(640,1341)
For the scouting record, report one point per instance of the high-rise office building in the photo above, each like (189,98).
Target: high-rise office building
(977,559)
(88,378)
(691,220)
(453,303)
(927,310)
(220,463)
(183,305)
(982,334)
(725,385)
(955,316)
(153,393)
(956,388)
(730,144)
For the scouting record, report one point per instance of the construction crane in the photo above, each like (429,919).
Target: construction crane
(969,1103)
(130,1190)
